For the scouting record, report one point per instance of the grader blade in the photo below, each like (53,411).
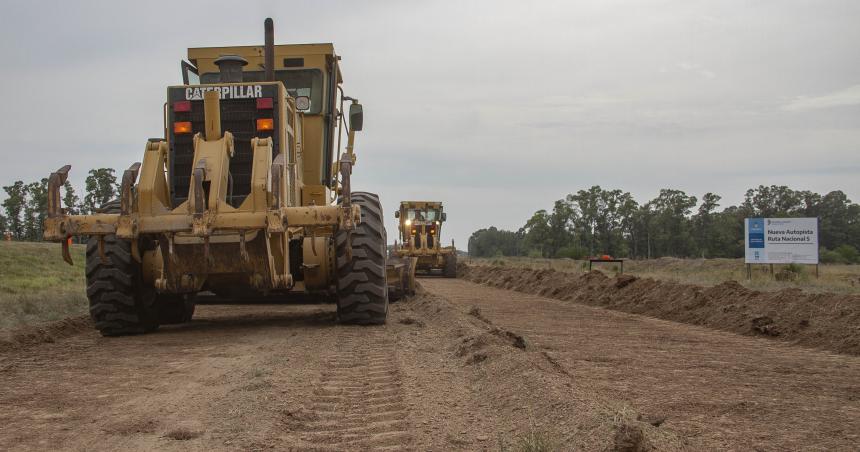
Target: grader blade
(401,277)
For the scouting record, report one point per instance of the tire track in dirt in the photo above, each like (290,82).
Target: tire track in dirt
(358,401)
(714,390)
(449,371)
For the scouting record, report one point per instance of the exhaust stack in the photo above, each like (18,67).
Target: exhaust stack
(269,55)
(230,67)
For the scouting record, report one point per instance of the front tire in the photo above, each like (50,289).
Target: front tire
(362,287)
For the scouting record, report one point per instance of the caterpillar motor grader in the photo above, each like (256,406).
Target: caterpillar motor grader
(420,225)
(246,193)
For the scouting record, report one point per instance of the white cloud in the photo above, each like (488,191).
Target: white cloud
(695,68)
(842,98)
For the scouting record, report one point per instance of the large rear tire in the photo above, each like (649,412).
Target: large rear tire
(362,288)
(119,303)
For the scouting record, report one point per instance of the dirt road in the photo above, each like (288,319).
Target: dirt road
(462,367)
(712,388)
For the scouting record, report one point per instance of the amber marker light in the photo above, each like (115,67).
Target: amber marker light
(265,124)
(182,127)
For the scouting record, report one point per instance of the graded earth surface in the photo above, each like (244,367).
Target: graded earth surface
(460,366)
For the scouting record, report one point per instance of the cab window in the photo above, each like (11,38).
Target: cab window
(299,82)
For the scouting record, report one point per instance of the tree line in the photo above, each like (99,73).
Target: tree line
(26,205)
(597,221)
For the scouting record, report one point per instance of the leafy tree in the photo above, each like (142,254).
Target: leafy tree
(100,187)
(840,221)
(703,222)
(603,219)
(537,232)
(598,221)
(810,204)
(727,234)
(613,209)
(642,226)
(494,242)
(71,201)
(560,224)
(35,209)
(670,226)
(588,208)
(13,205)
(772,202)
(627,209)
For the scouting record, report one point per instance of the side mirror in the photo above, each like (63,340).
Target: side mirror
(190,75)
(356,117)
(396,214)
(444,217)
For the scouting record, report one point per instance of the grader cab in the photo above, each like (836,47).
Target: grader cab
(420,225)
(247,192)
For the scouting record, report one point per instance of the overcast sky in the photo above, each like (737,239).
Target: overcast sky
(495,108)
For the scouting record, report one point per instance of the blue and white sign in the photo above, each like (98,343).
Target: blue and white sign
(781,240)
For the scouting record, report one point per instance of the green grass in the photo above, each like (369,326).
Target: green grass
(37,286)
(838,278)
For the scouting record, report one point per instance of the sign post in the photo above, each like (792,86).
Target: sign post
(780,241)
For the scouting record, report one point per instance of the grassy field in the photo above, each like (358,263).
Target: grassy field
(706,272)
(37,286)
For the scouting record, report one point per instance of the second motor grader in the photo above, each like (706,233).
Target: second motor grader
(420,225)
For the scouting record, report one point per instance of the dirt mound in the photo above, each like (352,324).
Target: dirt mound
(527,387)
(40,334)
(828,321)
(630,438)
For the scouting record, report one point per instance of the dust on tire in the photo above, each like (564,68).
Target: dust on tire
(362,289)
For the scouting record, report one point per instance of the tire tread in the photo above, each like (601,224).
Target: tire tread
(362,289)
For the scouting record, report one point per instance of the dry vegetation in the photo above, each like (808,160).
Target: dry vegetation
(36,286)
(836,278)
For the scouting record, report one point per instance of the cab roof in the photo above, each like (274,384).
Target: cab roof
(421,204)
(203,57)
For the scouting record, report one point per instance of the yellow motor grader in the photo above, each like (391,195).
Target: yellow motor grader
(420,225)
(247,193)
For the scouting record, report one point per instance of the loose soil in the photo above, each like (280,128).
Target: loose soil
(458,367)
(708,389)
(822,320)
(45,332)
